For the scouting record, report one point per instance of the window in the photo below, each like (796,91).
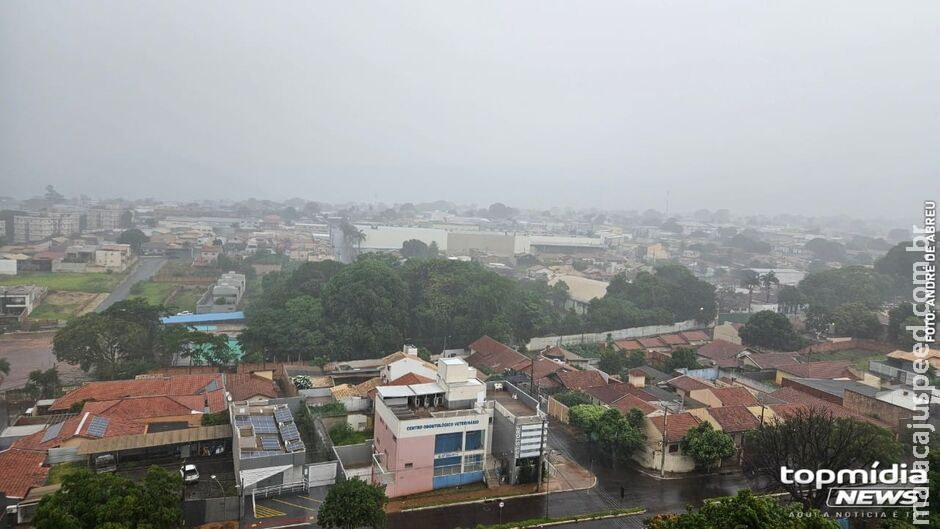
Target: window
(447,466)
(448,442)
(474,440)
(673,448)
(409,465)
(473,463)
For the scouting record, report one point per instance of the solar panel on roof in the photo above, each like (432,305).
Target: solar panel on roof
(270,443)
(98,427)
(242,420)
(294,446)
(289,431)
(283,415)
(52,432)
(264,424)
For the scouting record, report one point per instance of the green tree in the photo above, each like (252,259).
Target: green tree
(750,280)
(706,445)
(4,369)
(856,320)
(768,281)
(108,501)
(818,319)
(898,264)
(43,384)
(771,330)
(101,343)
(790,298)
(572,398)
(352,504)
(585,417)
(133,237)
(896,317)
(209,349)
(813,439)
(826,250)
(849,284)
(743,511)
(611,361)
(683,358)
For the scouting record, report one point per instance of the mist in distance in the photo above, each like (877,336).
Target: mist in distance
(814,108)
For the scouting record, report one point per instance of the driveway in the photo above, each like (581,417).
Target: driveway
(146,268)
(283,511)
(639,490)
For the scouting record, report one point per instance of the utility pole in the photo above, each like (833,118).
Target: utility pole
(662,466)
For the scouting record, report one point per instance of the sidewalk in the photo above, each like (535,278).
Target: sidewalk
(565,476)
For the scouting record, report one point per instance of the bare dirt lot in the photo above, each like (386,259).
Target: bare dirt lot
(29,351)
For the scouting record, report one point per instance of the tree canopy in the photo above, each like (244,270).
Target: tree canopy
(771,330)
(856,320)
(850,284)
(133,237)
(93,501)
(706,445)
(744,510)
(352,504)
(814,439)
(620,434)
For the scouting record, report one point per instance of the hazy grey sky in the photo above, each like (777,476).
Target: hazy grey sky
(805,106)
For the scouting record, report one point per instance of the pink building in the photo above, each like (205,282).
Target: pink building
(432,435)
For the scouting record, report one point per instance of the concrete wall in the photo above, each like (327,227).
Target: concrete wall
(500,244)
(557,410)
(198,512)
(321,474)
(61,266)
(878,409)
(601,337)
(854,343)
(7,267)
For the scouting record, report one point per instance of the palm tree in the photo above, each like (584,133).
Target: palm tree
(750,283)
(4,369)
(769,279)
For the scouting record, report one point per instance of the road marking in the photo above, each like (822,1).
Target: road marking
(263,511)
(294,504)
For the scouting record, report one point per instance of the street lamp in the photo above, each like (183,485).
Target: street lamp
(221,488)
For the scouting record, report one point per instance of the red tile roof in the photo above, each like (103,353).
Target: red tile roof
(545,367)
(637,373)
(793,396)
(695,336)
(687,383)
(651,342)
(70,429)
(629,402)
(495,357)
(673,339)
(244,386)
(409,378)
(721,353)
(609,393)
(735,396)
(142,387)
(734,419)
(580,379)
(142,408)
(628,345)
(22,470)
(830,370)
(679,424)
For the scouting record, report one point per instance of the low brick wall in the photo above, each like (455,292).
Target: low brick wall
(855,343)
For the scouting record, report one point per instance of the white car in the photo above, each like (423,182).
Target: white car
(189,474)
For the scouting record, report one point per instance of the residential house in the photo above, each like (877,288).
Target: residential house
(490,356)
(685,384)
(19,301)
(113,257)
(721,353)
(563,355)
(834,369)
(662,449)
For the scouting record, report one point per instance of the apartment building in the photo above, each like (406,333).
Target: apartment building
(33,228)
(115,257)
(104,219)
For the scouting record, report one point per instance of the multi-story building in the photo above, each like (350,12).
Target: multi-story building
(32,228)
(520,432)
(432,435)
(68,223)
(224,295)
(104,219)
(114,257)
(19,301)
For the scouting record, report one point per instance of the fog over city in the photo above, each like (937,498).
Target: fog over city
(800,107)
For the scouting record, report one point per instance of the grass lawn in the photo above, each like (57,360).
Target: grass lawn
(58,472)
(186,298)
(95,283)
(858,357)
(153,292)
(62,305)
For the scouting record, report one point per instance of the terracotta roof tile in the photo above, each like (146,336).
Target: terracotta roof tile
(651,342)
(735,396)
(141,387)
(580,379)
(408,379)
(831,369)
(720,350)
(734,419)
(22,470)
(495,356)
(629,402)
(609,393)
(695,336)
(673,339)
(774,360)
(679,424)
(628,345)
(244,386)
(687,383)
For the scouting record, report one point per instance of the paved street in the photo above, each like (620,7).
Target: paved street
(147,267)
(640,490)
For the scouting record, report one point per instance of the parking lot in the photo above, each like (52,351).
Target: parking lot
(283,510)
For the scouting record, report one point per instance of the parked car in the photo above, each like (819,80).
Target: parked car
(189,473)
(105,463)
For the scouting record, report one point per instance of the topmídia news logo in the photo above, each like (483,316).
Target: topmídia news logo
(894,486)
